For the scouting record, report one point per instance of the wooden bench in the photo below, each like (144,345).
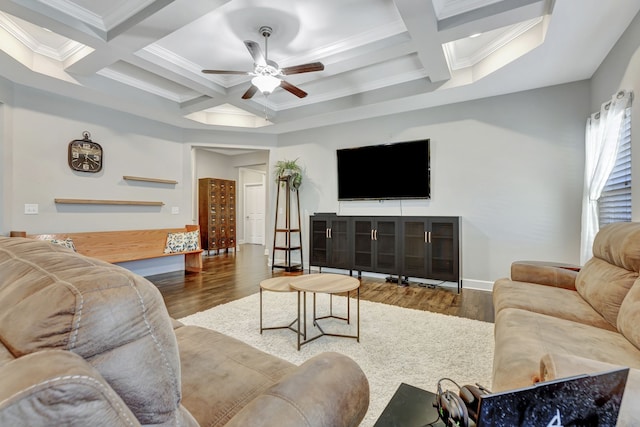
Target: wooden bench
(128,245)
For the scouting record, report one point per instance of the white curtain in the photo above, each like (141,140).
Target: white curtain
(601,149)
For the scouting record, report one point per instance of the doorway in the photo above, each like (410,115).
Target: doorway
(254,213)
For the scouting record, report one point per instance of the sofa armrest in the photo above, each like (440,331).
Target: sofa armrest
(56,387)
(541,273)
(327,390)
(554,366)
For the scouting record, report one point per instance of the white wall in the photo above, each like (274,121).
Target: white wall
(510,166)
(43,126)
(621,70)
(36,130)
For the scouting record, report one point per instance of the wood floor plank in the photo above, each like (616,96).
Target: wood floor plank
(230,276)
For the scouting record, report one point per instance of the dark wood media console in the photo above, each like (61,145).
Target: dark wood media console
(406,246)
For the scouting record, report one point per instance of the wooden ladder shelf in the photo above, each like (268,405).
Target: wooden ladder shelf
(288,231)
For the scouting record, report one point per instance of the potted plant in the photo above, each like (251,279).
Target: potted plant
(291,170)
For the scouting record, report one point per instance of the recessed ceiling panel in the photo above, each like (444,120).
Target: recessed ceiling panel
(471,50)
(40,40)
(215,41)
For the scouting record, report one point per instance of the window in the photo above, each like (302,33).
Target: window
(614,205)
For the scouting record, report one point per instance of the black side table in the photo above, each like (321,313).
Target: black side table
(410,407)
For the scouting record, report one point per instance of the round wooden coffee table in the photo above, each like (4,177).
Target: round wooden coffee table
(278,284)
(325,283)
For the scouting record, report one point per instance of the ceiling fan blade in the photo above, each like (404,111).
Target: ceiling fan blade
(250,92)
(304,68)
(293,89)
(224,72)
(256,53)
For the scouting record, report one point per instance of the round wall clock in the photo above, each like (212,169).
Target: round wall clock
(85,155)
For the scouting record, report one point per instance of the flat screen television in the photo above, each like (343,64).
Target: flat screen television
(388,171)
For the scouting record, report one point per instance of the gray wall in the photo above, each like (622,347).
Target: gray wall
(511,166)
(37,127)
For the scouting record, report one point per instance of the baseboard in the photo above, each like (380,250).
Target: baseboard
(480,285)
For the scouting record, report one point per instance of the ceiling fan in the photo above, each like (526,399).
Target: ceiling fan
(266,73)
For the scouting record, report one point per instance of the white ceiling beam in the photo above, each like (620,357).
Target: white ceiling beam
(420,19)
(198,83)
(143,29)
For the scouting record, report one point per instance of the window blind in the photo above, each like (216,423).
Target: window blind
(614,204)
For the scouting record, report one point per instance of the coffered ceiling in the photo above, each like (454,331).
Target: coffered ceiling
(145,56)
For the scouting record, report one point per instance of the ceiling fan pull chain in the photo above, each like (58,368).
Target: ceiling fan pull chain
(266,47)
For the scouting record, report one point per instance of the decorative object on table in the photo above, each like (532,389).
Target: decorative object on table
(287,237)
(84,155)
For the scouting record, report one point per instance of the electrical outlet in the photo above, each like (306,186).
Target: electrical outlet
(31,209)
(175,210)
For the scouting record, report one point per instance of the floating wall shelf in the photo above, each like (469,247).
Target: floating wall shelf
(106,202)
(139,178)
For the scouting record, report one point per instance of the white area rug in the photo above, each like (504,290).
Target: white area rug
(396,344)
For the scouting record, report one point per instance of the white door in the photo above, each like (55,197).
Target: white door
(254,213)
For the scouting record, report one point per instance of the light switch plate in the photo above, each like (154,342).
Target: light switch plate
(175,210)
(31,209)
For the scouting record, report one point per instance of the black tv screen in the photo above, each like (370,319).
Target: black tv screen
(389,171)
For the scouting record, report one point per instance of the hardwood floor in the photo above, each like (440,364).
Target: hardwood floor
(227,277)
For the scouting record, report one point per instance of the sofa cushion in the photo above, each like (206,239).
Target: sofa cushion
(523,337)
(558,302)
(629,315)
(619,244)
(53,298)
(607,277)
(208,358)
(604,286)
(58,388)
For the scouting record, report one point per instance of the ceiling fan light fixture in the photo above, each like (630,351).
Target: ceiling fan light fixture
(265,83)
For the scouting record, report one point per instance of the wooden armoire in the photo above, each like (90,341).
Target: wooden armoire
(217,214)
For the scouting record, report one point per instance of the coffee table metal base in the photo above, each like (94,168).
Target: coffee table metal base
(329,316)
(278,285)
(268,328)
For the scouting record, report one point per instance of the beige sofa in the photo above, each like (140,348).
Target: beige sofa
(84,342)
(553,322)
